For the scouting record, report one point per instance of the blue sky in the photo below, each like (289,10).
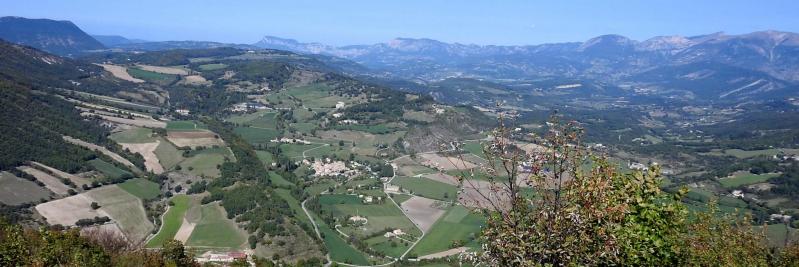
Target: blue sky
(364,22)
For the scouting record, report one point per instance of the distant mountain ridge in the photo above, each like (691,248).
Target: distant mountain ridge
(773,52)
(114,40)
(713,66)
(57,37)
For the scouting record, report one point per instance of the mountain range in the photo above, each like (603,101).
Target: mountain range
(717,66)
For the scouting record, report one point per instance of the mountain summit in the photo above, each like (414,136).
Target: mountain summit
(57,37)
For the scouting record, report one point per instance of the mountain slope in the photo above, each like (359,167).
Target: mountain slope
(26,65)
(57,37)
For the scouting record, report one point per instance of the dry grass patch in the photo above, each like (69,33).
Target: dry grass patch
(164,70)
(51,182)
(194,138)
(147,150)
(120,72)
(445,163)
(68,210)
(79,181)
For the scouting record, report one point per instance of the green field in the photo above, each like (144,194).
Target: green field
(746,179)
(150,76)
(295,150)
(427,188)
(215,230)
(109,170)
(185,126)
(381,216)
(141,188)
(204,162)
(135,135)
(457,224)
(213,66)
(15,190)
(777,234)
(171,221)
(265,157)
(474,147)
(256,135)
(738,153)
(168,155)
(125,208)
(279,180)
(294,204)
(260,119)
(339,249)
(384,245)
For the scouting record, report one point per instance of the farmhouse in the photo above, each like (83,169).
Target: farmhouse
(396,232)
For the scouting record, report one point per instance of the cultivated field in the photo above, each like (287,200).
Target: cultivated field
(141,188)
(125,209)
(424,212)
(168,155)
(442,178)
(103,150)
(134,135)
(481,194)
(137,121)
(205,162)
(120,72)
(213,229)
(164,70)
(15,190)
(433,160)
(426,188)
(185,126)
(380,216)
(458,224)
(171,221)
(742,178)
(109,170)
(79,181)
(68,210)
(52,183)
(194,138)
(147,150)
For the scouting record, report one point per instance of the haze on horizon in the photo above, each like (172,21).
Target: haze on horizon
(367,22)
